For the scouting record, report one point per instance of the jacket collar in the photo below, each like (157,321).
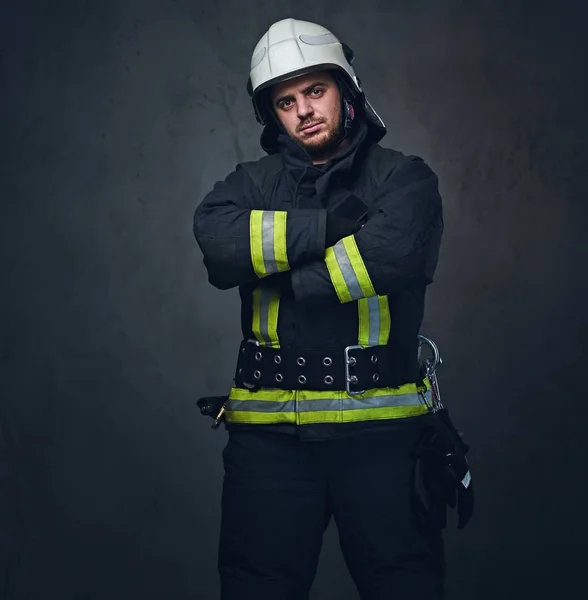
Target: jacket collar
(298,162)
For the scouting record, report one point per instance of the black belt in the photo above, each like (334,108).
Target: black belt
(351,368)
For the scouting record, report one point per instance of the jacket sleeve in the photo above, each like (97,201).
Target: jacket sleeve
(397,248)
(242,242)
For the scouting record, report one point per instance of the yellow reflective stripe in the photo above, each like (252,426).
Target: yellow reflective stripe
(358,266)
(337,276)
(263,394)
(299,407)
(267,235)
(278,395)
(374,321)
(266,307)
(256,242)
(362,414)
(326,416)
(272,321)
(406,389)
(259,418)
(363,315)
(347,271)
(384,311)
(280,254)
(256,321)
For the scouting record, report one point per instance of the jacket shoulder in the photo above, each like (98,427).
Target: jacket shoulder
(384,161)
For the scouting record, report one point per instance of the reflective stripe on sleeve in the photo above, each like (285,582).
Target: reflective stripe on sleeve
(347,271)
(267,231)
(374,321)
(266,306)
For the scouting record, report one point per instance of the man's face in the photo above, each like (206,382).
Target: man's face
(309,108)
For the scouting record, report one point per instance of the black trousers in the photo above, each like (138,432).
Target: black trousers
(279,494)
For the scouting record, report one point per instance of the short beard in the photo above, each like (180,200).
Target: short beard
(326,146)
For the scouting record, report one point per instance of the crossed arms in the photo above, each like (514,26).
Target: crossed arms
(397,248)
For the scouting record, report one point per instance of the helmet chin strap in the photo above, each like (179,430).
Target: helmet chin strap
(347,110)
(347,119)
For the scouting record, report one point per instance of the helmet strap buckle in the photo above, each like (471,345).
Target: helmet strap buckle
(348,115)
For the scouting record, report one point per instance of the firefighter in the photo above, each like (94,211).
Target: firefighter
(332,241)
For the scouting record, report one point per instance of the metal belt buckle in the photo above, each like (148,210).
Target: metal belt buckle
(350,362)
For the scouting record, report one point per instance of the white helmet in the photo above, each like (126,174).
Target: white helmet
(291,48)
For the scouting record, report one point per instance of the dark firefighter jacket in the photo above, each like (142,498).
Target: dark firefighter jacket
(367,289)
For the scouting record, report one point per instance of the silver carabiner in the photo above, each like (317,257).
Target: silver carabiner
(431,368)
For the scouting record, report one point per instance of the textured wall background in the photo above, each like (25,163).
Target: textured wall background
(117,117)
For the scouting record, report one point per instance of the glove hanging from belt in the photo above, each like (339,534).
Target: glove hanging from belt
(213,406)
(441,475)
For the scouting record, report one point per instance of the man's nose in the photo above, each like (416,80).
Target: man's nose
(304,108)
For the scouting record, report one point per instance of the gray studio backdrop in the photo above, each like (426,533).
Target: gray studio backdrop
(117,117)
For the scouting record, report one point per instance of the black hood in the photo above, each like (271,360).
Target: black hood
(321,178)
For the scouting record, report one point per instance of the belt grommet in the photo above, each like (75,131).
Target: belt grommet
(328,380)
(240,371)
(376,377)
(353,379)
(279,377)
(277,359)
(300,361)
(327,361)
(258,356)
(374,358)
(301,379)
(352,361)
(256,374)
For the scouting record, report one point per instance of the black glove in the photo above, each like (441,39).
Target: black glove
(442,476)
(338,228)
(210,406)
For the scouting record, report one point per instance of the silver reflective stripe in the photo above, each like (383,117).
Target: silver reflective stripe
(330,404)
(267,243)
(356,403)
(257,58)
(318,40)
(266,302)
(374,312)
(347,271)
